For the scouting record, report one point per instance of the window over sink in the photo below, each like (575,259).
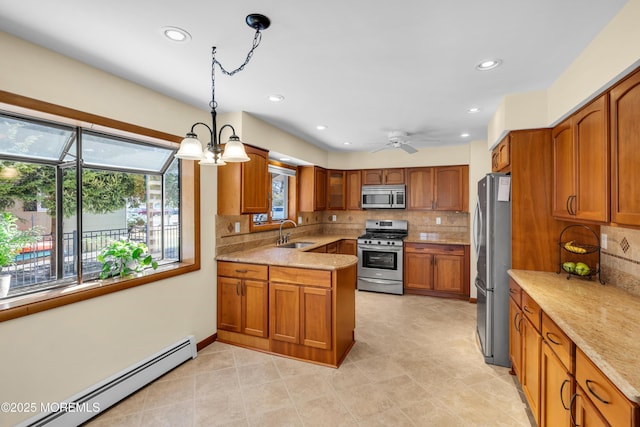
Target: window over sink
(281,197)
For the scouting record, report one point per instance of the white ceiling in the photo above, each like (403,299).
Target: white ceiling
(362,68)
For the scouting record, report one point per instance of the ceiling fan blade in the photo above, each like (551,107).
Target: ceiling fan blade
(384,147)
(409,149)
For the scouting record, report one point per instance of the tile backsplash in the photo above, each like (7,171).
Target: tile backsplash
(620,261)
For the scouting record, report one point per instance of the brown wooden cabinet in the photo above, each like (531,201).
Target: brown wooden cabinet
(531,348)
(625,155)
(515,338)
(243,298)
(383,176)
(244,188)
(501,156)
(441,188)
(581,164)
(354,188)
(348,247)
(336,190)
(586,414)
(312,188)
(440,270)
(555,389)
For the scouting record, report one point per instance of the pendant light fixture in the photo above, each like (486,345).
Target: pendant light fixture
(213,155)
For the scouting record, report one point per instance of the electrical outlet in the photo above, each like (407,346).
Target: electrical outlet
(299,220)
(603,241)
(237,227)
(438,220)
(333,218)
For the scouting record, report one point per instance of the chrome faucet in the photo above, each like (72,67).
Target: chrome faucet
(284,239)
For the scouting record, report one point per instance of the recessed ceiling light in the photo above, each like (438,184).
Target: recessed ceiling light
(176,34)
(276,98)
(464,135)
(473,110)
(321,127)
(285,159)
(347,143)
(489,64)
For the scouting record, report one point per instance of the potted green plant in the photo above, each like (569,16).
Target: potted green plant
(12,242)
(124,257)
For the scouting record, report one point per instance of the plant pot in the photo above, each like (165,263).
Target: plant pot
(5,284)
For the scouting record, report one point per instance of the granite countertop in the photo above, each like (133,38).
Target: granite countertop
(448,238)
(291,257)
(603,321)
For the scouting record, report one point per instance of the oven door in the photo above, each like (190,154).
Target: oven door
(380,262)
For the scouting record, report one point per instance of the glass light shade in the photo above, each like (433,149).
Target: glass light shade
(190,149)
(234,151)
(210,160)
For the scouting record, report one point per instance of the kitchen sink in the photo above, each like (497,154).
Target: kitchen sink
(296,245)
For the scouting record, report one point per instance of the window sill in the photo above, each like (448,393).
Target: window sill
(24,305)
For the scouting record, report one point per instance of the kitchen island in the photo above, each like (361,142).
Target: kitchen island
(289,301)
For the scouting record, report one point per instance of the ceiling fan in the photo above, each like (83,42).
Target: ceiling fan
(401,140)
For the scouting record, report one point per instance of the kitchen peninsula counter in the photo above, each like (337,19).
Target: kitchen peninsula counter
(291,257)
(603,321)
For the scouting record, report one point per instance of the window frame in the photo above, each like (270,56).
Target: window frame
(292,201)
(24,305)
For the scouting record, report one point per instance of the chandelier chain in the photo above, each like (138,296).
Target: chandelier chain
(256,42)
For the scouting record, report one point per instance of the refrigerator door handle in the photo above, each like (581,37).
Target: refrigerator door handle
(476,230)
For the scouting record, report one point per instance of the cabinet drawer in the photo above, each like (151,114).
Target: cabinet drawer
(531,310)
(515,291)
(434,249)
(558,341)
(301,276)
(243,271)
(605,396)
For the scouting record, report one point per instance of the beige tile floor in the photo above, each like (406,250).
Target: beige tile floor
(416,362)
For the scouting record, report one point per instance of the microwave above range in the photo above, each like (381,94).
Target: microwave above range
(383,196)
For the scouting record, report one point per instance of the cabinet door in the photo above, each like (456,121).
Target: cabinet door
(448,273)
(592,161)
(229,304)
(515,338)
(393,176)
(354,188)
(563,170)
(418,270)
(284,306)
(555,390)
(625,156)
(420,188)
(449,189)
(586,415)
(372,177)
(255,182)
(315,317)
(320,189)
(255,302)
(348,247)
(531,342)
(336,190)
(504,154)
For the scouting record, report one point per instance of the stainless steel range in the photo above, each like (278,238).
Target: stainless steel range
(380,256)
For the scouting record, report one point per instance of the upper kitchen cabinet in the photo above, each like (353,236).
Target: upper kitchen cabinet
(336,190)
(625,155)
(442,188)
(383,176)
(313,188)
(501,156)
(354,187)
(244,188)
(581,164)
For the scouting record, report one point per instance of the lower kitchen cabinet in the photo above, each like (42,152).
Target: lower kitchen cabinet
(555,390)
(243,298)
(586,414)
(348,247)
(531,346)
(434,269)
(515,337)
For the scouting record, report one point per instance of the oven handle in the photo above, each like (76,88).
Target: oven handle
(381,248)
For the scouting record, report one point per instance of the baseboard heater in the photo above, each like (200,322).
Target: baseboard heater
(88,403)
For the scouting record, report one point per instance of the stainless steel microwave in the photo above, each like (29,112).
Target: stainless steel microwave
(383,196)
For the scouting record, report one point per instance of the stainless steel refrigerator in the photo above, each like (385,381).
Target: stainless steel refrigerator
(492,240)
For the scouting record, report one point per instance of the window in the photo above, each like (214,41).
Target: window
(82,189)
(282,197)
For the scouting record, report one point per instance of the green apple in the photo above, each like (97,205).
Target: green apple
(569,267)
(582,269)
